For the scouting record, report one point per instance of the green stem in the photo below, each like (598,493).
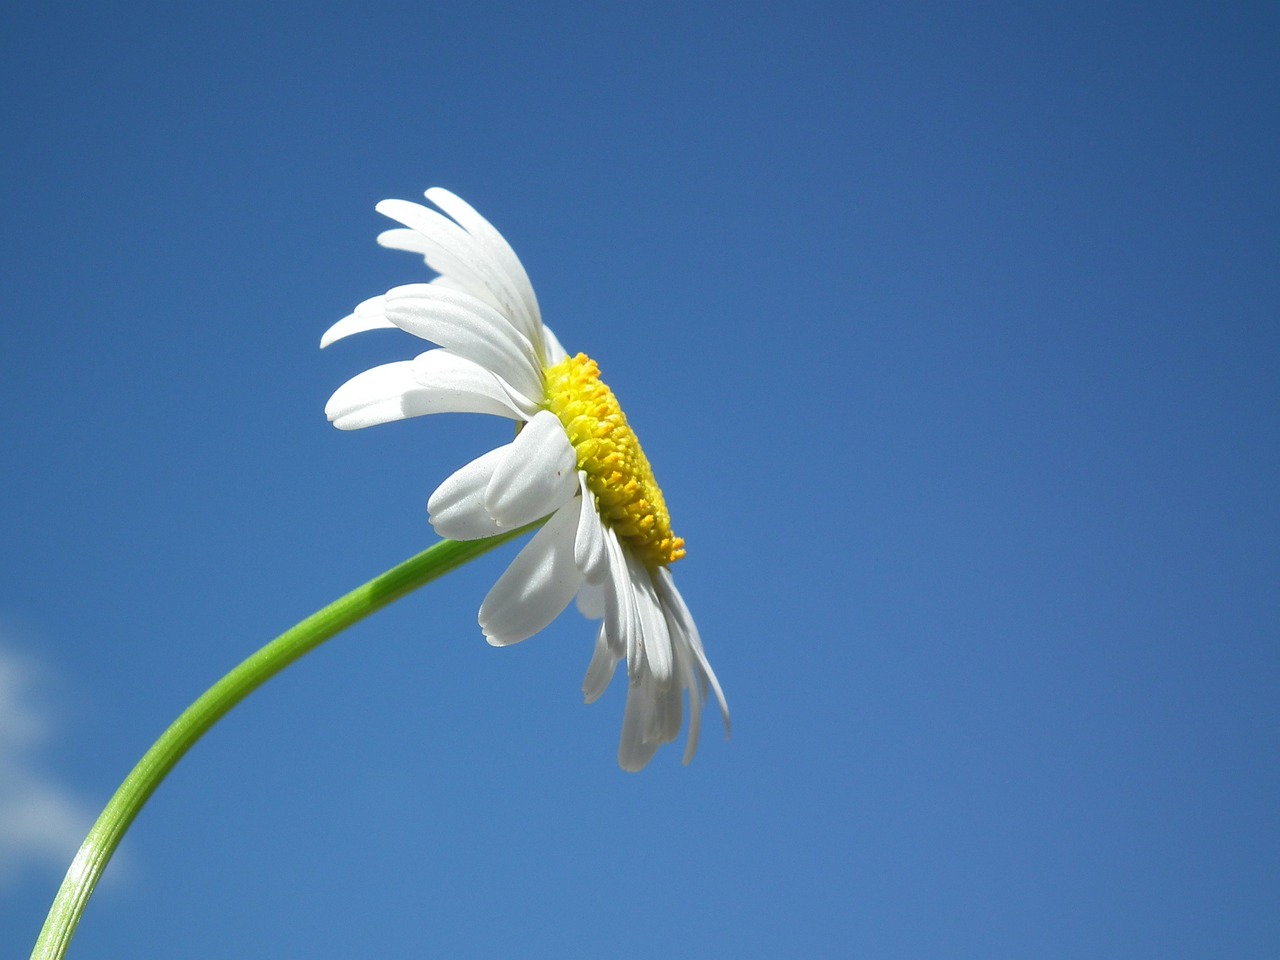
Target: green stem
(217,701)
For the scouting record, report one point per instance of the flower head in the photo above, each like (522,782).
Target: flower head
(575,462)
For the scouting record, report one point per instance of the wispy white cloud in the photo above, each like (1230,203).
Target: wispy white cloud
(41,822)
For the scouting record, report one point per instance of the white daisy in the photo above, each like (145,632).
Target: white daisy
(607,538)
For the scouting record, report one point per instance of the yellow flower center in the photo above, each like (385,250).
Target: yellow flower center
(618,473)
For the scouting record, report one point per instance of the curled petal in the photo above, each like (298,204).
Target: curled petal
(600,671)
(537,586)
(456,510)
(536,476)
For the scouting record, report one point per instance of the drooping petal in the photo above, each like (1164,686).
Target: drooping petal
(456,509)
(687,676)
(600,671)
(636,748)
(368,315)
(655,641)
(621,621)
(537,586)
(588,545)
(591,599)
(674,603)
(690,682)
(653,716)
(470,328)
(668,713)
(536,476)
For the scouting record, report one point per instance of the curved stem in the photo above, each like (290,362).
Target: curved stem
(215,703)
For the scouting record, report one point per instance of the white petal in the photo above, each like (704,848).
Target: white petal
(652,718)
(494,244)
(448,283)
(443,244)
(591,600)
(435,382)
(537,586)
(689,682)
(686,672)
(536,476)
(452,251)
(674,603)
(555,352)
(655,642)
(600,671)
(402,238)
(470,328)
(668,713)
(456,510)
(588,546)
(368,315)
(636,748)
(372,397)
(469,387)
(621,621)
(410,241)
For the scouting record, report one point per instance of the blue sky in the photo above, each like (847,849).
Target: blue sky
(952,332)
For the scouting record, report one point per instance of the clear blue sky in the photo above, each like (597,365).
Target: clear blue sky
(953,333)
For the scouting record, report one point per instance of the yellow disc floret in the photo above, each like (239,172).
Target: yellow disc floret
(618,473)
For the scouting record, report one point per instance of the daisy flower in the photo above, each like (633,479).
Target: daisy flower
(575,462)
